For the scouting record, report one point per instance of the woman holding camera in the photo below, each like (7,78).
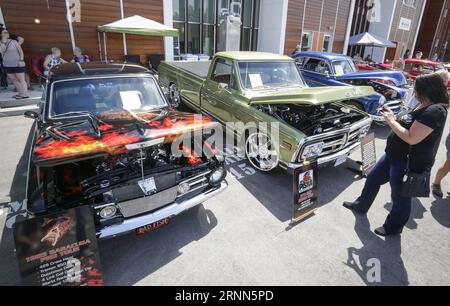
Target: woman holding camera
(410,154)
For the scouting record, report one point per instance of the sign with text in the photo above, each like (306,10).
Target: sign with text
(405,24)
(305,191)
(59,249)
(368,153)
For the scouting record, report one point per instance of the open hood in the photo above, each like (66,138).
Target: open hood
(64,142)
(395,77)
(312,96)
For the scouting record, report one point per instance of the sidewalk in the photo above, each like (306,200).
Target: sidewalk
(12,107)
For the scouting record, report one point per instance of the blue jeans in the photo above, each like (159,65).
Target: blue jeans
(392,171)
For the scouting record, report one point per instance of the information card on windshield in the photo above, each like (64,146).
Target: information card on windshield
(255,80)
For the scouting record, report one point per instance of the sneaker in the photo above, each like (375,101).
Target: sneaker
(437,191)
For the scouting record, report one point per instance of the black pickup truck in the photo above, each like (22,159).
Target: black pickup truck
(103,138)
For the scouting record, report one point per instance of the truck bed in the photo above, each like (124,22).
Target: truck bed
(199,68)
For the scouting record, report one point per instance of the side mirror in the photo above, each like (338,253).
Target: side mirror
(223,86)
(173,95)
(327,74)
(31,115)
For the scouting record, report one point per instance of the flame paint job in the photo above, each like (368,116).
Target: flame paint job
(115,132)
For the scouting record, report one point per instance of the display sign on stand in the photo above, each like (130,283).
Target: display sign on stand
(368,154)
(304,191)
(59,249)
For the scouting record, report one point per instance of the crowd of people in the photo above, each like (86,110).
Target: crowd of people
(12,62)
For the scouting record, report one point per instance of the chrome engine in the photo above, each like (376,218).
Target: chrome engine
(313,120)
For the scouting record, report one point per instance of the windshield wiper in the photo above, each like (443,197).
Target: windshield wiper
(93,120)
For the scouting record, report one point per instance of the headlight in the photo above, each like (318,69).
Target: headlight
(217,176)
(108,212)
(364,131)
(382,101)
(312,150)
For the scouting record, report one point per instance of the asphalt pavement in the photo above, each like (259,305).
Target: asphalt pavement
(244,237)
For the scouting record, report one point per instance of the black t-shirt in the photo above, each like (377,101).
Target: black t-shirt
(423,154)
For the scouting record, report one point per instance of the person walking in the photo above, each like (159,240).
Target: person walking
(411,146)
(13,64)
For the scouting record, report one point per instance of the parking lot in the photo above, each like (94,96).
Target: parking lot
(244,237)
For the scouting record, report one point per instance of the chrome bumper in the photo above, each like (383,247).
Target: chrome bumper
(166,212)
(377,119)
(327,159)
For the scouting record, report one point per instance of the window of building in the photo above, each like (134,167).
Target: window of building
(196,21)
(179,10)
(306,41)
(179,19)
(193,27)
(250,25)
(209,28)
(327,43)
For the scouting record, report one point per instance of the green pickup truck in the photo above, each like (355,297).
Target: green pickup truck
(256,87)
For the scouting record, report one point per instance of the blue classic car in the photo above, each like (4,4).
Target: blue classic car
(329,69)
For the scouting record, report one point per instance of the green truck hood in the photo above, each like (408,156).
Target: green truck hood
(311,96)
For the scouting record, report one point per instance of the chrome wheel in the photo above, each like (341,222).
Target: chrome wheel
(174,94)
(261,153)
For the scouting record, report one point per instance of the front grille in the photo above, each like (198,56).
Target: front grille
(140,204)
(353,137)
(395,106)
(146,204)
(333,144)
(132,190)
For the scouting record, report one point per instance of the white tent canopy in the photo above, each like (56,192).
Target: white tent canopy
(136,25)
(370,40)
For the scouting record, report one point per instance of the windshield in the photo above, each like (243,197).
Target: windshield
(343,67)
(125,94)
(269,75)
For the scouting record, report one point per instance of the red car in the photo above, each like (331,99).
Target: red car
(374,66)
(417,67)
